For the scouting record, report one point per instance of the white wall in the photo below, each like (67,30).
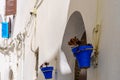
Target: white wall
(4,59)
(47,21)
(51,20)
(109,48)
(108,68)
(52,17)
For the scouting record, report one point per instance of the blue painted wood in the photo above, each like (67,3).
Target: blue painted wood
(5,30)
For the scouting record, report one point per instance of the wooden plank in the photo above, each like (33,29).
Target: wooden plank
(81,74)
(10,7)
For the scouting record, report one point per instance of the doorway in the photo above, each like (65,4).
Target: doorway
(75,27)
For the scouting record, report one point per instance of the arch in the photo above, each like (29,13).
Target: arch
(75,27)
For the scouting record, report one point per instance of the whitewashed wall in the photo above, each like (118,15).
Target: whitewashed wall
(54,14)
(109,48)
(4,59)
(108,68)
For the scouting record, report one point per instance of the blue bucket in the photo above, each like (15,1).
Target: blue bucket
(83,55)
(47,71)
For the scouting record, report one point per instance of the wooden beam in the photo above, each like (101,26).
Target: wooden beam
(81,74)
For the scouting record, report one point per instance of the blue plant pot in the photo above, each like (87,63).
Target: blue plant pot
(83,55)
(47,72)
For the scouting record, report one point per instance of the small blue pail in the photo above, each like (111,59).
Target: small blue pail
(47,72)
(83,55)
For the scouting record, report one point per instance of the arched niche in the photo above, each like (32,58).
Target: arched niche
(75,27)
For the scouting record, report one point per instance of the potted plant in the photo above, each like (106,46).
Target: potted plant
(47,70)
(82,52)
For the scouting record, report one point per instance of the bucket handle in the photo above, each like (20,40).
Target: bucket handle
(46,70)
(85,49)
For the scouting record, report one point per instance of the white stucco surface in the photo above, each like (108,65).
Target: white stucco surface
(52,18)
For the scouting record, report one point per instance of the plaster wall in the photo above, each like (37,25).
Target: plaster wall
(55,14)
(108,68)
